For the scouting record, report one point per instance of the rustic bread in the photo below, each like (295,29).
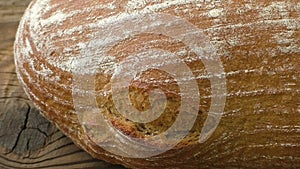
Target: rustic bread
(257,43)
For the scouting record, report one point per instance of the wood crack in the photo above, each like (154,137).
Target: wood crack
(22,130)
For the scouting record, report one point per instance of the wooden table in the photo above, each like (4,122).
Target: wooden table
(27,140)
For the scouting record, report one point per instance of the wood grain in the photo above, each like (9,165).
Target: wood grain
(27,140)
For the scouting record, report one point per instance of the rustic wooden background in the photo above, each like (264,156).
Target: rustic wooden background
(27,140)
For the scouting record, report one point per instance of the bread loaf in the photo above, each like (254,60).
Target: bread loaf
(168,84)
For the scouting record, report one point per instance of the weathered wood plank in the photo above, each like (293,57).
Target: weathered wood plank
(12,10)
(27,140)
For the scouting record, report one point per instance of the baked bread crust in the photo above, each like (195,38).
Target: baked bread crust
(257,41)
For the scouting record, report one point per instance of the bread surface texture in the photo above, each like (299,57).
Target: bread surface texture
(63,45)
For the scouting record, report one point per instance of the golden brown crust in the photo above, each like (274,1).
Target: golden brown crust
(258,43)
